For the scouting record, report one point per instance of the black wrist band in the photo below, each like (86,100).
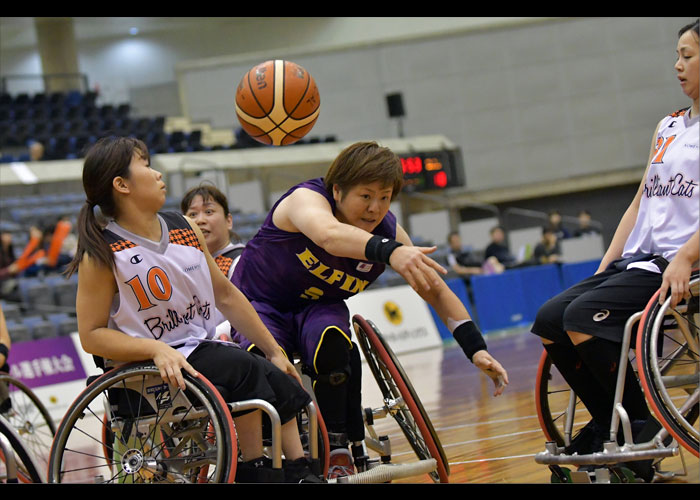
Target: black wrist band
(4,350)
(469,338)
(379,249)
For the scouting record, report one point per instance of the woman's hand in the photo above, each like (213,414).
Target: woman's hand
(414,265)
(676,279)
(281,362)
(486,363)
(171,362)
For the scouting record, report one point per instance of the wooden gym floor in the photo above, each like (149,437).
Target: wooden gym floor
(486,439)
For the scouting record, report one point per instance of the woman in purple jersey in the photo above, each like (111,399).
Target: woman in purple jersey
(324,241)
(653,249)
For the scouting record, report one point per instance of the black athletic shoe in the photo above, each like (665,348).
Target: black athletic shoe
(588,440)
(299,471)
(258,470)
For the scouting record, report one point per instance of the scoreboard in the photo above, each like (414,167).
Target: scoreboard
(432,170)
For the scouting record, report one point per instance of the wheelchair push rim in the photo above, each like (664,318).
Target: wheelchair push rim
(176,436)
(393,382)
(669,364)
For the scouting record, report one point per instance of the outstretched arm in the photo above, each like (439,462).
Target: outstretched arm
(452,312)
(310,213)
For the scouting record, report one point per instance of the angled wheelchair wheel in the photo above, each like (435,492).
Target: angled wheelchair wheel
(30,419)
(128,426)
(559,411)
(669,364)
(399,394)
(28,469)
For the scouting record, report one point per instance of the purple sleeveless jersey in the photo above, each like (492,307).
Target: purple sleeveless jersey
(289,271)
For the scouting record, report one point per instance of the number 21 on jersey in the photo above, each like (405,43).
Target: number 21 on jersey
(662,143)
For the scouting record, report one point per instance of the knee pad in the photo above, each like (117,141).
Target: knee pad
(332,358)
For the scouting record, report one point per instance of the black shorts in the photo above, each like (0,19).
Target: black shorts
(241,375)
(599,305)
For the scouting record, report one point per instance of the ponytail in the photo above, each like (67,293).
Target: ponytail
(90,240)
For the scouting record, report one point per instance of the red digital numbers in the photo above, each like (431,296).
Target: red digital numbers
(412,165)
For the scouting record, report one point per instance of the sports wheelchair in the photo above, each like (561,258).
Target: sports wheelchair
(128,426)
(667,364)
(27,429)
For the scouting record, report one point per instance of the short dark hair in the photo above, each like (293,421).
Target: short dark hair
(365,163)
(207,192)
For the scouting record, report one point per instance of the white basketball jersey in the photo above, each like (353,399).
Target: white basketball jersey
(670,206)
(165,289)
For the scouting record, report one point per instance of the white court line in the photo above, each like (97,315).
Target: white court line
(491,459)
(500,436)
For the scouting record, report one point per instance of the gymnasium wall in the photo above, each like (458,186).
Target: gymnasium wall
(532,101)
(527,104)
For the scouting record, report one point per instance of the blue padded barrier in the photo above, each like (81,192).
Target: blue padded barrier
(573,272)
(540,284)
(499,300)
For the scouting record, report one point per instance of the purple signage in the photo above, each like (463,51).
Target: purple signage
(46,362)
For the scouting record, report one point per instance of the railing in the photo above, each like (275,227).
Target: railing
(80,79)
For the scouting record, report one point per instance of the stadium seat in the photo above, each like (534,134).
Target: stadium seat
(19,332)
(65,293)
(39,297)
(63,323)
(11,311)
(40,328)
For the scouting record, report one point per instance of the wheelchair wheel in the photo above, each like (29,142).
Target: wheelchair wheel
(669,364)
(30,419)
(396,388)
(155,433)
(559,411)
(28,470)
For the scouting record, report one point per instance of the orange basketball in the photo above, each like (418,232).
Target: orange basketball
(277,102)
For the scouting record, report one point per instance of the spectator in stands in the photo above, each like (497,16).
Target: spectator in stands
(548,250)
(36,151)
(5,343)
(460,260)
(556,224)
(7,254)
(11,266)
(52,255)
(498,248)
(584,224)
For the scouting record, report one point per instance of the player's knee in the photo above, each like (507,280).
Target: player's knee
(550,313)
(332,359)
